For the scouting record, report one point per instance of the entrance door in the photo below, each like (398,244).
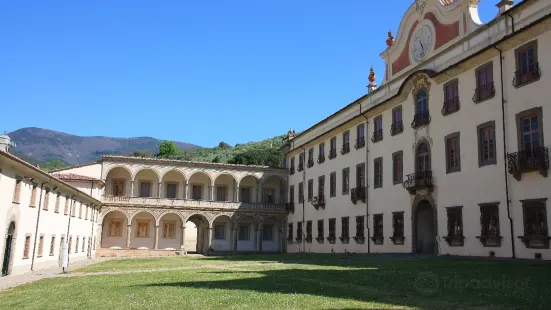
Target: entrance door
(8,249)
(425,232)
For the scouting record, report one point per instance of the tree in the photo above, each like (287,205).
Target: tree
(52,164)
(224,145)
(141,154)
(216,159)
(167,149)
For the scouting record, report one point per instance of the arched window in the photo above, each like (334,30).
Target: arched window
(423,158)
(422,102)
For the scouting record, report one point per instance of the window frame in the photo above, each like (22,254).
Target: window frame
(525,47)
(321,186)
(397,127)
(398,228)
(360,222)
(448,139)
(310,194)
(378,173)
(320,230)
(451,84)
(360,181)
(479,128)
(378,230)
(300,192)
(394,172)
(538,111)
(489,240)
(240,235)
(528,239)
(332,231)
(345,188)
(490,84)
(309,231)
(452,238)
(345,229)
(333,184)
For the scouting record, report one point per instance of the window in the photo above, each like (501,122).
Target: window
(171,190)
(80,210)
(486,144)
(378,232)
(34,199)
(333,148)
(115,228)
(145,189)
(526,64)
(221,193)
(360,175)
(40,245)
(26,250)
(118,188)
(169,229)
(46,199)
(422,116)
(83,244)
(397,167)
(300,192)
(451,97)
(300,162)
(345,229)
(73,208)
(268,195)
(86,213)
(360,134)
(455,226)
(52,245)
(57,201)
(345,142)
(292,193)
(332,225)
(532,154)
(292,169)
(219,231)
(66,209)
(310,158)
(309,231)
(299,231)
(290,232)
(17,190)
(378,172)
(70,244)
(378,129)
(321,151)
(143,229)
(310,189)
(320,230)
(244,232)
(360,229)
(484,83)
(397,227)
(321,187)
(268,233)
(345,181)
(423,158)
(333,184)
(245,194)
(536,233)
(397,124)
(76,246)
(196,192)
(489,222)
(453,154)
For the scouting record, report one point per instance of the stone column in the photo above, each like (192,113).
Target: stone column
(234,244)
(259,234)
(98,236)
(259,192)
(211,193)
(183,246)
(236,194)
(156,237)
(159,191)
(132,188)
(128,235)
(256,239)
(184,188)
(209,238)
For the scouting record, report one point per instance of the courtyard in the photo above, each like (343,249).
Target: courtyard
(300,281)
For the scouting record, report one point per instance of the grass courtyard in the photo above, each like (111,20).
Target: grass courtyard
(293,282)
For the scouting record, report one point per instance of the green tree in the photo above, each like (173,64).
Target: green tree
(53,164)
(224,145)
(216,159)
(167,149)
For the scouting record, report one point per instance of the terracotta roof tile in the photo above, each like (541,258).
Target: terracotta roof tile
(74,177)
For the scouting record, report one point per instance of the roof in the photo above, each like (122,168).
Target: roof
(72,167)
(75,177)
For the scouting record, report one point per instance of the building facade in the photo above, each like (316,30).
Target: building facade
(448,155)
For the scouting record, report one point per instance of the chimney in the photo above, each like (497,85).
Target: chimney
(504,5)
(5,143)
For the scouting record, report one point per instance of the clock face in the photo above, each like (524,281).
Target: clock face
(421,43)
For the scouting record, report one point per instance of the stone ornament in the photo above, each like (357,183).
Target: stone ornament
(390,39)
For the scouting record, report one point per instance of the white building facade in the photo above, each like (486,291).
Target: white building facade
(448,155)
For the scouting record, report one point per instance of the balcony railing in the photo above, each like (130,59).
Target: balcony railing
(332,153)
(526,75)
(418,181)
(290,207)
(420,119)
(310,163)
(484,92)
(168,202)
(300,167)
(292,170)
(321,159)
(345,148)
(451,105)
(358,193)
(360,142)
(535,159)
(396,128)
(377,135)
(318,202)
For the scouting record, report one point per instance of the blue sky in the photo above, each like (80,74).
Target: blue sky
(194,71)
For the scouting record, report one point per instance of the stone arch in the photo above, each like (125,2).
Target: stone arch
(203,172)
(246,226)
(268,186)
(170,225)
(247,175)
(143,224)
(118,181)
(420,203)
(119,167)
(203,179)
(114,223)
(143,176)
(202,225)
(175,170)
(9,247)
(177,181)
(224,187)
(144,169)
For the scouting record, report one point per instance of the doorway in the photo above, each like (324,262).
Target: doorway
(424,228)
(6,262)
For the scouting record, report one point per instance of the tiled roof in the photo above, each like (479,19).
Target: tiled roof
(74,177)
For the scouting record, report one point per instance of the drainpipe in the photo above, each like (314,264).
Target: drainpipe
(366,181)
(303,200)
(37,222)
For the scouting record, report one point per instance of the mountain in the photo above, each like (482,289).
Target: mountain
(37,144)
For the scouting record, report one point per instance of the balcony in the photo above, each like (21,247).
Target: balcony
(419,181)
(484,92)
(300,167)
(168,202)
(420,119)
(310,163)
(345,149)
(360,142)
(318,202)
(332,153)
(396,128)
(377,135)
(527,75)
(290,207)
(451,105)
(292,170)
(358,193)
(321,159)
(535,159)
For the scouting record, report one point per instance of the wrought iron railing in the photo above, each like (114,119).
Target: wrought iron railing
(420,119)
(534,159)
(451,105)
(321,159)
(396,128)
(345,148)
(377,135)
(419,180)
(360,142)
(527,74)
(332,153)
(358,193)
(318,202)
(484,92)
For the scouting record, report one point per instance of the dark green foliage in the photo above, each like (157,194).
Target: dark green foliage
(224,145)
(167,149)
(52,164)
(146,153)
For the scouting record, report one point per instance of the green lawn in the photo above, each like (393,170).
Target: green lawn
(299,282)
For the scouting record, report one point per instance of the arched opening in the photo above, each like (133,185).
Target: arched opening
(222,234)
(248,187)
(114,232)
(424,228)
(172,186)
(423,158)
(246,234)
(197,229)
(170,232)
(224,188)
(118,182)
(199,185)
(142,231)
(272,190)
(269,234)
(146,183)
(8,249)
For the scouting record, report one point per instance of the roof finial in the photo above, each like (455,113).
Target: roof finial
(390,39)
(372,86)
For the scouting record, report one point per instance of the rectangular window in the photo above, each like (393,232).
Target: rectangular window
(345,228)
(320,230)
(378,129)
(46,199)
(221,193)
(321,151)
(26,250)
(397,124)
(292,193)
(321,187)
(455,226)
(245,194)
(169,229)
(299,231)
(360,136)
(345,142)
(484,83)
(486,144)
(360,227)
(57,201)
(333,146)
(310,189)
(171,190)
(290,232)
(34,199)
(309,231)
(333,184)
(530,132)
(145,189)
(292,165)
(196,192)
(80,210)
(118,188)
(526,64)
(143,229)
(300,162)
(268,195)
(86,213)
(453,155)
(83,244)
(40,245)
(345,181)
(244,232)
(17,190)
(73,208)
(70,245)
(311,157)
(332,225)
(66,209)
(378,232)
(397,167)
(300,192)
(451,97)
(360,175)
(76,246)
(219,231)
(398,227)
(115,228)
(378,172)
(52,246)
(536,233)
(489,222)
(268,233)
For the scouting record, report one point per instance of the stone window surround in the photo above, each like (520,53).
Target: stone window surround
(320,236)
(115,181)
(17,189)
(449,237)
(290,232)
(333,184)
(345,133)
(57,202)
(176,188)
(46,202)
(309,231)
(481,161)
(191,185)
(111,233)
(27,246)
(446,139)
(532,44)
(489,64)
(397,239)
(52,245)
(246,237)
(485,206)
(452,82)
(310,189)
(332,234)
(377,183)
(40,246)
(169,222)
(346,190)
(378,238)
(321,184)
(360,233)
(375,129)
(140,221)
(345,229)
(300,192)
(34,190)
(535,203)
(394,180)
(359,167)
(141,182)
(223,225)
(518,117)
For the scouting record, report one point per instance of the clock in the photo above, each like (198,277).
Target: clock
(421,43)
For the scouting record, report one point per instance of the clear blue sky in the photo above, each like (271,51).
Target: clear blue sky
(193,71)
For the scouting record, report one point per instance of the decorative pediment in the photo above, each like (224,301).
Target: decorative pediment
(420,81)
